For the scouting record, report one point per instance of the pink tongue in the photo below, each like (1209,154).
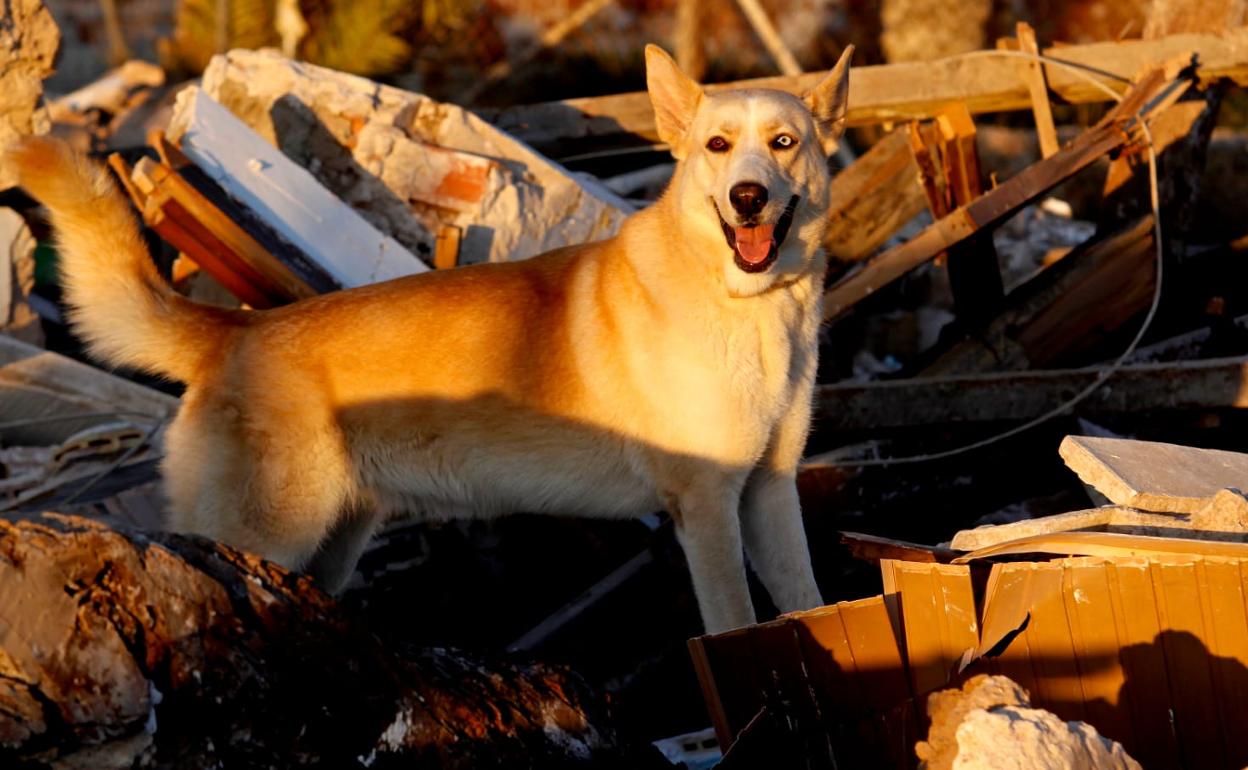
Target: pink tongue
(754,243)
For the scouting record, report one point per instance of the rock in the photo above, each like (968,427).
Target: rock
(28,41)
(989,725)
(1152,476)
(123,649)
(17,279)
(376,147)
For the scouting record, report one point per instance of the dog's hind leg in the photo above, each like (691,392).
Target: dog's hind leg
(771,518)
(709,531)
(335,561)
(274,489)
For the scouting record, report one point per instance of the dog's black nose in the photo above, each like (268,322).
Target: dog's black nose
(748,198)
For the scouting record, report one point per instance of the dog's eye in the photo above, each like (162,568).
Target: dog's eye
(717,144)
(783,142)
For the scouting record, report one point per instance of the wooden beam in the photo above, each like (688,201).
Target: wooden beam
(214,241)
(986,211)
(1098,287)
(884,93)
(1017,396)
(872,200)
(766,31)
(690,49)
(1038,87)
(1119,126)
(974,272)
(872,548)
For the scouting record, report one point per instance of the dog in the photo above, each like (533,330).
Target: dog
(669,367)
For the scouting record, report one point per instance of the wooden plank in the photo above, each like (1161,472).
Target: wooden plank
(1038,88)
(446,247)
(872,200)
(290,199)
(974,271)
(771,39)
(204,250)
(885,93)
(690,48)
(986,211)
(1097,288)
(1154,476)
(1018,396)
(871,548)
(197,215)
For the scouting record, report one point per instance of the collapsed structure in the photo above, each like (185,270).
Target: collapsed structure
(965,299)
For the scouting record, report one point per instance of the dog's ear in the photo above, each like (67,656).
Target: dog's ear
(829,100)
(675,97)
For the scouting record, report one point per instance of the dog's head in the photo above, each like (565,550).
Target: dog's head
(753,173)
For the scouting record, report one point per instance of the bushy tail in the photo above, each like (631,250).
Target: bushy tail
(119,305)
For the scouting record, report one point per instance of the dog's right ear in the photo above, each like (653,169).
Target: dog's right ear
(675,97)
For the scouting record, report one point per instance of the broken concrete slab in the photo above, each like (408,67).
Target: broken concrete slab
(333,235)
(1152,476)
(370,145)
(1222,519)
(28,41)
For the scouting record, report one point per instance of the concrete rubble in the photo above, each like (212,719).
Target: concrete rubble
(374,146)
(989,724)
(28,42)
(17,279)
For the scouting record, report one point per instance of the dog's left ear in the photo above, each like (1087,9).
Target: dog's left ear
(675,97)
(829,101)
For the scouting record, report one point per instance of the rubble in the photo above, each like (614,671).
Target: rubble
(989,725)
(339,242)
(369,144)
(29,39)
(142,645)
(986,280)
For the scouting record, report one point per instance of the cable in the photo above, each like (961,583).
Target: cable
(1104,374)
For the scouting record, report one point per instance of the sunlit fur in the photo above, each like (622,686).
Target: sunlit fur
(610,379)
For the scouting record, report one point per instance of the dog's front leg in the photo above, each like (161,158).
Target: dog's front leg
(709,530)
(771,517)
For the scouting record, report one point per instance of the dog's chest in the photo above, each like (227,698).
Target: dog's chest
(722,384)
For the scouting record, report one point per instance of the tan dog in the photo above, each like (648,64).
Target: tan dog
(668,367)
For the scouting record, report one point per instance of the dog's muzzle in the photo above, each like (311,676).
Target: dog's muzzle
(755,248)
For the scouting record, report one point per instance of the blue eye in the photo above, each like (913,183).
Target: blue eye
(783,142)
(717,144)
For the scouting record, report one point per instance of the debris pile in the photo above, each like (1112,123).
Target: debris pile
(1036,252)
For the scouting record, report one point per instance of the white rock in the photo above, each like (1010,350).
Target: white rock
(28,42)
(1018,738)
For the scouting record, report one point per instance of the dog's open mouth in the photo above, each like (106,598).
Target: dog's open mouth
(755,247)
